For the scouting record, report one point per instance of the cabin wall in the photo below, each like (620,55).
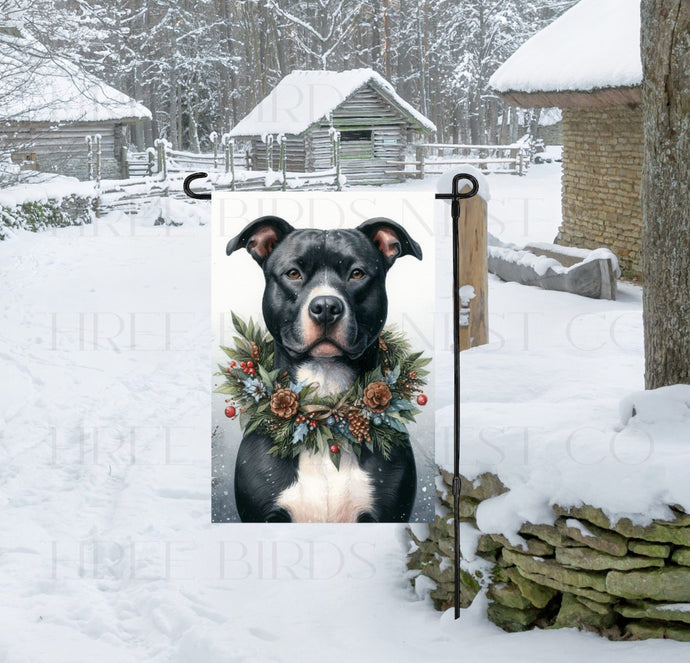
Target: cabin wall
(602,171)
(364,110)
(295,153)
(62,149)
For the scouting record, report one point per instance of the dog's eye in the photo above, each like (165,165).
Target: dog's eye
(294,274)
(357,274)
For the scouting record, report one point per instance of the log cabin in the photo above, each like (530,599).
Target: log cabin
(49,107)
(375,125)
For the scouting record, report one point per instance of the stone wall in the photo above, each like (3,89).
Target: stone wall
(618,579)
(602,170)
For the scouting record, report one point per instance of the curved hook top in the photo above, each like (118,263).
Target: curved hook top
(465,176)
(455,194)
(187,189)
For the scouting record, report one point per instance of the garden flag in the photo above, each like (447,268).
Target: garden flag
(324,368)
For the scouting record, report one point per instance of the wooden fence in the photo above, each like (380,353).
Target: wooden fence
(163,160)
(437,158)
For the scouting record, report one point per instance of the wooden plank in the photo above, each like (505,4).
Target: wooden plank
(474,269)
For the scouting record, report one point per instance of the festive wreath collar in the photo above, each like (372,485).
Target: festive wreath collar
(373,412)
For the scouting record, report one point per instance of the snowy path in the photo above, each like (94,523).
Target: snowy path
(106,548)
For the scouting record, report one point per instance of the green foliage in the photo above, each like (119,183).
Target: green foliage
(316,423)
(36,216)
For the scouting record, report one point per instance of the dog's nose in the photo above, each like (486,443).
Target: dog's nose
(326,310)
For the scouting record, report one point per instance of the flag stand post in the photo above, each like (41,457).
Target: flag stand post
(455,197)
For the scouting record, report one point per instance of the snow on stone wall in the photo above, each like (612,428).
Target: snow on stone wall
(621,580)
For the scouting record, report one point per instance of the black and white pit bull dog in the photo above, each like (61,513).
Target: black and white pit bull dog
(325,304)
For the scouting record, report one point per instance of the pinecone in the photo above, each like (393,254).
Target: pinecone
(255,352)
(382,344)
(359,425)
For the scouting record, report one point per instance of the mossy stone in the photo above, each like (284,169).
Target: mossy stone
(593,560)
(667,584)
(603,540)
(554,570)
(660,550)
(575,614)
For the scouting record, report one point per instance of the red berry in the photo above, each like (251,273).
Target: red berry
(233,364)
(335,449)
(243,364)
(230,411)
(250,364)
(252,371)
(227,370)
(422,399)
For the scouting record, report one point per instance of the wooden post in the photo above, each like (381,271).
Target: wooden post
(283,163)
(225,142)
(89,157)
(162,158)
(335,143)
(124,162)
(269,153)
(231,147)
(474,269)
(419,158)
(150,160)
(214,141)
(98,158)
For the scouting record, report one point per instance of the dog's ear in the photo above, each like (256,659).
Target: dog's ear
(260,237)
(390,238)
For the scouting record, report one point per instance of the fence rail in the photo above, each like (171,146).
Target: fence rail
(436,158)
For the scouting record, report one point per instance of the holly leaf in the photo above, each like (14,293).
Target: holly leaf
(225,388)
(396,423)
(335,457)
(266,379)
(300,433)
(231,352)
(239,324)
(254,425)
(393,375)
(297,387)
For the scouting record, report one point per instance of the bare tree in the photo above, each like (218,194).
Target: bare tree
(666,190)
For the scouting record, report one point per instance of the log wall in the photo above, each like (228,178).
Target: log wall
(62,149)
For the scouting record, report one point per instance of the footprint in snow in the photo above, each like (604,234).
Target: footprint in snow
(264,635)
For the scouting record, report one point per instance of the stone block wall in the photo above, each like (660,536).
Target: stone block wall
(620,580)
(602,171)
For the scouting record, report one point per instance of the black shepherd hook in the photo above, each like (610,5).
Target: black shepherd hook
(187,189)
(455,197)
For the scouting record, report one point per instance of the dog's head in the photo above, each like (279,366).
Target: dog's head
(325,292)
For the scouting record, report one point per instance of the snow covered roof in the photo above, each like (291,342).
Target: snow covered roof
(305,97)
(595,45)
(38,86)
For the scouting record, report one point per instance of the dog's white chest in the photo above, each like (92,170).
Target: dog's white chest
(324,494)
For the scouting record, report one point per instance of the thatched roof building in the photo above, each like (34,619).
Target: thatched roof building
(587,62)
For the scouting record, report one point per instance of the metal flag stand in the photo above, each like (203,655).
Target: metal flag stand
(455,197)
(188,190)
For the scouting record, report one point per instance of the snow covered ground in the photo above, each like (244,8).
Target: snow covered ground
(107,551)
